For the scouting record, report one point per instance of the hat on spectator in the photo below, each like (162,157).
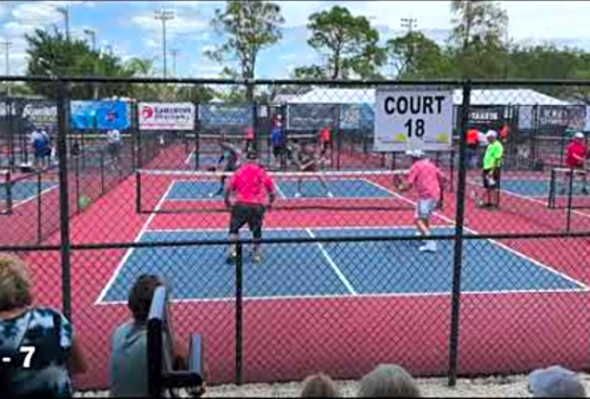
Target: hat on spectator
(415,153)
(579,135)
(555,381)
(491,133)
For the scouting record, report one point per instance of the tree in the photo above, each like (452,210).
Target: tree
(350,43)
(416,56)
(51,54)
(250,26)
(478,38)
(310,72)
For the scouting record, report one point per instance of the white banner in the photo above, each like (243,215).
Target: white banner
(407,119)
(166,116)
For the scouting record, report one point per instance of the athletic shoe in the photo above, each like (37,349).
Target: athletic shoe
(430,246)
(585,191)
(330,195)
(257,258)
(298,195)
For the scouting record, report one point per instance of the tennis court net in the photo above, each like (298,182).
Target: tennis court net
(568,189)
(162,191)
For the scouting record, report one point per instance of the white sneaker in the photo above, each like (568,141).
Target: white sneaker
(428,247)
(297,195)
(330,195)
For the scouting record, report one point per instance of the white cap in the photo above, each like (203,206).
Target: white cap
(415,153)
(579,135)
(491,133)
(555,381)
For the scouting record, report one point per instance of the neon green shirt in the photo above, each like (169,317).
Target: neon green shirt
(493,155)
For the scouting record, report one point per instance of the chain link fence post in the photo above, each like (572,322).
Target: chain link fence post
(459,231)
(64,206)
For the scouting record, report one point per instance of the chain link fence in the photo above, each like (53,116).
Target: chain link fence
(343,285)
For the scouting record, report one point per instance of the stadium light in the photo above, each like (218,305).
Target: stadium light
(164,16)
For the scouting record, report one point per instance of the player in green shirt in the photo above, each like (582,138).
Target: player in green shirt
(492,162)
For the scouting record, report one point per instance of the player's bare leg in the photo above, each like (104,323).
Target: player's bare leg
(325,186)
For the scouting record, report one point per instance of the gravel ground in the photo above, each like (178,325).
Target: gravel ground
(511,386)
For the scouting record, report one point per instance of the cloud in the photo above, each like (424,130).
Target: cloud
(208,47)
(150,43)
(182,24)
(287,57)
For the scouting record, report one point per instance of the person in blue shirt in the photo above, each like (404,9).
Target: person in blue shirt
(278,142)
(41,147)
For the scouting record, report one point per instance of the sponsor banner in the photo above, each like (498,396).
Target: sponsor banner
(166,116)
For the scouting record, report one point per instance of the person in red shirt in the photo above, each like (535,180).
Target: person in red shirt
(472,146)
(576,159)
(251,187)
(249,137)
(504,133)
(325,138)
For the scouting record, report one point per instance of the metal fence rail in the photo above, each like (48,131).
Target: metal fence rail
(343,285)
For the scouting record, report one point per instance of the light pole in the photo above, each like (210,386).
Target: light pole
(174,53)
(7,45)
(164,16)
(92,34)
(65,11)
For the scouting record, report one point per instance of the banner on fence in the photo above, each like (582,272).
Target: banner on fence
(101,115)
(166,116)
(40,114)
(225,115)
(308,116)
(413,119)
(572,117)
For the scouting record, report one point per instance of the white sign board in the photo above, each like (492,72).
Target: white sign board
(166,116)
(407,119)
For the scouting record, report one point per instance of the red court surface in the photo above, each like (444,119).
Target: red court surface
(287,339)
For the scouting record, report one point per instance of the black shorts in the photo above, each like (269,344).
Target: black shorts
(495,176)
(277,151)
(113,149)
(250,214)
(325,147)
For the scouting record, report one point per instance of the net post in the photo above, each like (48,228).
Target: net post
(551,199)
(570,201)
(39,205)
(8,180)
(239,314)
(137,192)
(452,170)
(102,183)
(459,231)
(77,185)
(197,138)
(65,247)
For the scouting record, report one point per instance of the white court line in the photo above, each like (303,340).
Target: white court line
(532,199)
(503,246)
(188,159)
(130,250)
(219,229)
(333,265)
(361,296)
(14,206)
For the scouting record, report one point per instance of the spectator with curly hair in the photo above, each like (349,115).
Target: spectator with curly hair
(39,340)
(319,386)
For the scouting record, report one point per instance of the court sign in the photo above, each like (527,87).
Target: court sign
(413,119)
(167,116)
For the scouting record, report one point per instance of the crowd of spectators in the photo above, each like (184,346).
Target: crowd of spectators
(52,353)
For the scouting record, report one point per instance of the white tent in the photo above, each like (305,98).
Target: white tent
(478,97)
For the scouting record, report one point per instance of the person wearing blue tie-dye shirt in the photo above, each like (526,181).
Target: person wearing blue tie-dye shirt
(39,340)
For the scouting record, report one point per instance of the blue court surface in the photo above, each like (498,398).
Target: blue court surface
(25,190)
(310,188)
(331,269)
(535,188)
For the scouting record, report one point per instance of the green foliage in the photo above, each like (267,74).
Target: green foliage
(51,54)
(250,26)
(414,56)
(351,44)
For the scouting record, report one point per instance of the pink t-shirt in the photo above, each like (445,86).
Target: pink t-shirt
(425,178)
(251,184)
(249,133)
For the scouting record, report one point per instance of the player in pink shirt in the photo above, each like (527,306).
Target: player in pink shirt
(426,179)
(253,190)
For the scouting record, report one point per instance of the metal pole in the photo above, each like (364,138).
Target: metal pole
(460,203)
(569,201)
(9,192)
(137,192)
(239,314)
(65,248)
(7,45)
(164,44)
(197,137)
(39,210)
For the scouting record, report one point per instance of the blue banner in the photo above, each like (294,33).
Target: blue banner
(100,115)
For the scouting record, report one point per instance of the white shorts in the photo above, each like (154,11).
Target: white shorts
(425,208)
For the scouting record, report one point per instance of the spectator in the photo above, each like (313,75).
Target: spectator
(472,146)
(41,147)
(129,343)
(555,382)
(319,386)
(50,351)
(388,381)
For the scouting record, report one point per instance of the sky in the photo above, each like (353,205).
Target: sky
(131,30)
